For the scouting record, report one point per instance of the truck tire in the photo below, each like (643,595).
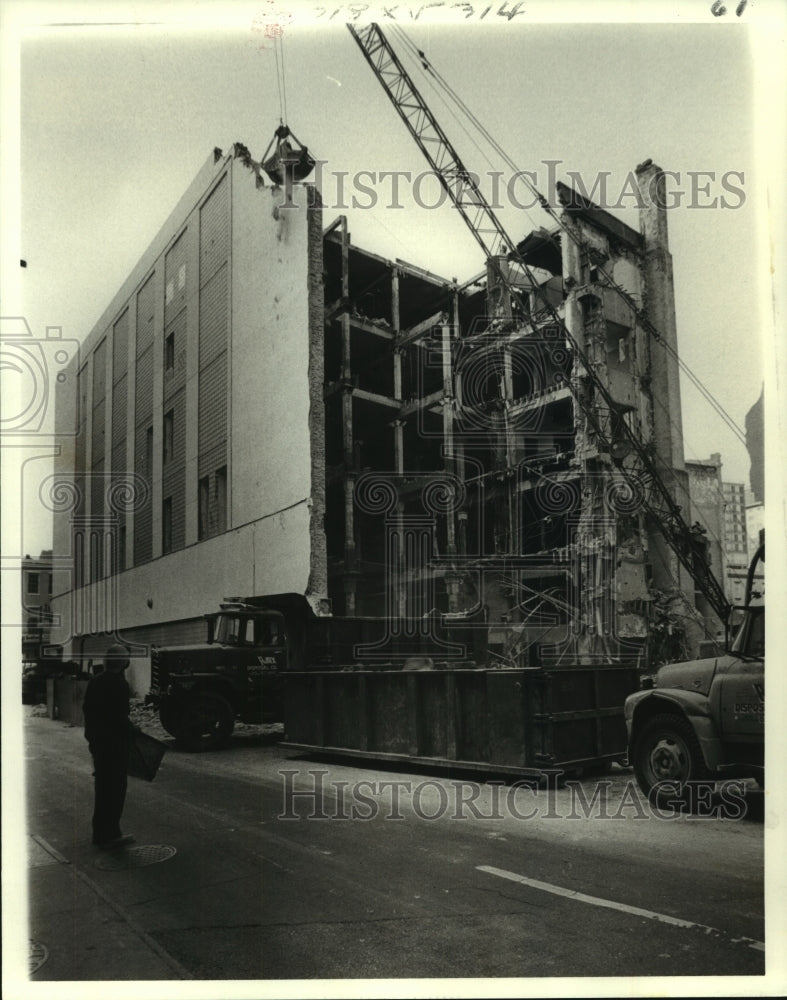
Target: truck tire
(169,717)
(206,722)
(666,749)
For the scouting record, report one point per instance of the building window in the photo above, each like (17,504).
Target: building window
(169,435)
(221,499)
(204,506)
(169,353)
(212,504)
(166,526)
(49,583)
(32,583)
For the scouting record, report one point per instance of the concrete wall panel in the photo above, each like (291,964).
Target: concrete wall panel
(270,459)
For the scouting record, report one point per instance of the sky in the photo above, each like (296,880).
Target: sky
(115,121)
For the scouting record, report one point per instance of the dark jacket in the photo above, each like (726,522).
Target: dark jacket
(106,710)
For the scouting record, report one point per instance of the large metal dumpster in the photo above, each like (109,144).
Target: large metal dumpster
(505,721)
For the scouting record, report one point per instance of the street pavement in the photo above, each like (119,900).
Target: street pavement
(253,863)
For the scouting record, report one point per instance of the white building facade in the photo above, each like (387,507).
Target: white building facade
(194,473)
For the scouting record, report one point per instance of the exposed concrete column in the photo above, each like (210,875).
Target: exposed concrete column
(395,322)
(456,520)
(398,428)
(398,425)
(594,335)
(447,400)
(508,395)
(318,570)
(350,562)
(659,297)
(457,445)
(445,355)
(452,578)
(498,297)
(572,279)
(660,306)
(398,566)
(346,370)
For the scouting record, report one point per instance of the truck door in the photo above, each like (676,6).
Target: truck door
(268,657)
(742,681)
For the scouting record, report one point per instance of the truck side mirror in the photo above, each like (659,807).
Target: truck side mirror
(211,630)
(734,622)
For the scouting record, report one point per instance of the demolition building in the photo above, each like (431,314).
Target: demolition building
(267,408)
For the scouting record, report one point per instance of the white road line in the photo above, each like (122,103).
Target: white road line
(610,904)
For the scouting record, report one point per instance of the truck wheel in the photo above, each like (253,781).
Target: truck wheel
(169,717)
(206,722)
(667,750)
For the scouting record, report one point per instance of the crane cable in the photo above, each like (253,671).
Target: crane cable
(281,83)
(430,71)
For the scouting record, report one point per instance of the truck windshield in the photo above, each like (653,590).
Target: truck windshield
(750,638)
(232,630)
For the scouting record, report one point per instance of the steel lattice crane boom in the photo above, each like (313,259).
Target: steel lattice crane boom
(593,398)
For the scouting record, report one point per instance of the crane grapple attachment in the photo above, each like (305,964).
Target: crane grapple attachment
(290,161)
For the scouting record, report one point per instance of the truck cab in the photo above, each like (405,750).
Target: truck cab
(704,719)
(201,689)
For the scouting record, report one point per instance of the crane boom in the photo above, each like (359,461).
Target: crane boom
(461,185)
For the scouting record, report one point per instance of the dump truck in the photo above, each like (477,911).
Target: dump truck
(390,689)
(252,645)
(202,688)
(705,719)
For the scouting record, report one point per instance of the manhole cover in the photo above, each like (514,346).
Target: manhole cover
(39,953)
(135,857)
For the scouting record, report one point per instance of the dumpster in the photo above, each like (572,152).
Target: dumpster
(518,721)
(64,699)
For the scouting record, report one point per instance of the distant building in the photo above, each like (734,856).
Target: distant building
(730,525)
(736,545)
(755,443)
(36,606)
(707,510)
(755,523)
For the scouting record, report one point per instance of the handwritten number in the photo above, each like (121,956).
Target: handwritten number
(719,10)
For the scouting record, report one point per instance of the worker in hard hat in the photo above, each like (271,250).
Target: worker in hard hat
(107,731)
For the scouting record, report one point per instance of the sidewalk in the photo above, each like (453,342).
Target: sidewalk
(77,933)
